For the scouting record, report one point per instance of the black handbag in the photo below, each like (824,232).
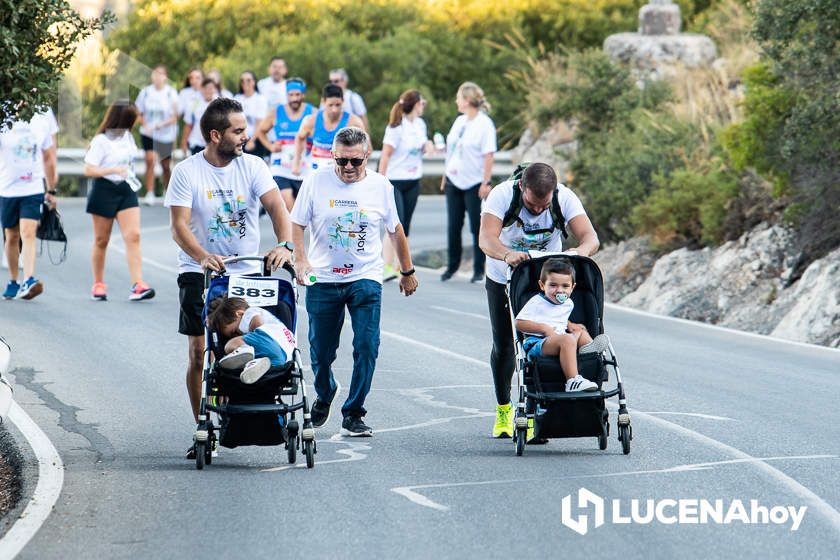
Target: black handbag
(50,229)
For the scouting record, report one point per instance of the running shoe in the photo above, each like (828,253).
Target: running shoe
(149,199)
(140,291)
(504,421)
(529,436)
(12,289)
(389,273)
(238,358)
(31,288)
(580,383)
(598,345)
(320,413)
(476,278)
(254,370)
(447,275)
(99,292)
(191,453)
(353,426)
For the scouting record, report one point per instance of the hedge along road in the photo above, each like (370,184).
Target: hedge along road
(716,416)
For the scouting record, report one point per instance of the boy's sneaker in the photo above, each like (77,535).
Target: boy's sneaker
(504,421)
(320,413)
(31,288)
(139,291)
(580,383)
(12,289)
(598,345)
(99,292)
(254,370)
(238,358)
(389,273)
(352,426)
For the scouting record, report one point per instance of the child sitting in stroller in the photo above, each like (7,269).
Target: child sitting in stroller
(544,320)
(257,339)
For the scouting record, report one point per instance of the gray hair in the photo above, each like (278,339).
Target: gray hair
(351,136)
(341,72)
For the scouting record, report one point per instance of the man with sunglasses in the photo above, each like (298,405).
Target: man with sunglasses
(345,206)
(534,228)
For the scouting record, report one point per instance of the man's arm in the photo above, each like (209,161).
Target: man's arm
(408,284)
(583,231)
(50,173)
(302,265)
(262,131)
(179,218)
(357,121)
(489,242)
(282,224)
(304,132)
(486,184)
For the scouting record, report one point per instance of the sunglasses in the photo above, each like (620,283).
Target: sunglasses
(343,161)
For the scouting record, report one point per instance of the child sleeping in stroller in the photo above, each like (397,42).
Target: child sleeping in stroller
(256,339)
(544,320)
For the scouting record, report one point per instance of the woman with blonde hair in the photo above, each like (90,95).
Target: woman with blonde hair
(110,161)
(406,140)
(470,146)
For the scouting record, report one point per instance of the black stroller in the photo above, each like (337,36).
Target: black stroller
(253,414)
(541,383)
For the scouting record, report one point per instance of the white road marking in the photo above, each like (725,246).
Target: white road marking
(410,492)
(353,453)
(457,312)
(47,489)
(694,414)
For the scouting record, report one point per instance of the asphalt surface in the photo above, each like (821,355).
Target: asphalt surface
(716,415)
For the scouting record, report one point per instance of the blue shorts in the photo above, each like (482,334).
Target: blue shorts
(533,346)
(13,208)
(265,346)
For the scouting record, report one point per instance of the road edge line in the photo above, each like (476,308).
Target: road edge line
(47,489)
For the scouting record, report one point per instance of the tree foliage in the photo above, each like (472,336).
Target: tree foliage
(38,39)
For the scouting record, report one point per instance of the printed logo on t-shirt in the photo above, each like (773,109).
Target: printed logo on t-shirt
(229,221)
(534,237)
(346,268)
(349,231)
(338,203)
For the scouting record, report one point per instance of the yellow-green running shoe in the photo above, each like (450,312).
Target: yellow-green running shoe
(504,421)
(389,273)
(529,437)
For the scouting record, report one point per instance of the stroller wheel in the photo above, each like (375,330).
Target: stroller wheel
(309,450)
(200,450)
(624,438)
(602,442)
(291,450)
(520,435)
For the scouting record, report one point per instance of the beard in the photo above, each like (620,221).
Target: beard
(295,105)
(229,150)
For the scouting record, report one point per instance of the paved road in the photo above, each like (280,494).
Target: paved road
(716,416)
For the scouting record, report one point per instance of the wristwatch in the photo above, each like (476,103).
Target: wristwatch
(287,244)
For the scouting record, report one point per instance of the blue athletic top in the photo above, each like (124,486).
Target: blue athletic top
(322,139)
(285,131)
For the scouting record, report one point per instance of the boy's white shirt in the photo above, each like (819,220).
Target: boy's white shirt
(540,310)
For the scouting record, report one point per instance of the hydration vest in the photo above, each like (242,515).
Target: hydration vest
(516,205)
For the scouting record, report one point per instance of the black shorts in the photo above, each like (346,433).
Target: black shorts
(259,150)
(162,149)
(191,296)
(286,183)
(13,208)
(107,199)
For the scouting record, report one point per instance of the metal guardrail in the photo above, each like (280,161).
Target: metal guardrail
(71,163)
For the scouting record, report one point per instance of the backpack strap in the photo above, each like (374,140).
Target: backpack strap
(512,213)
(557,215)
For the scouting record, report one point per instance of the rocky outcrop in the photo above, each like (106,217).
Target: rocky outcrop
(741,284)
(555,146)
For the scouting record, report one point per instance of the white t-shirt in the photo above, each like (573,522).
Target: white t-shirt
(156,106)
(466,145)
(274,92)
(407,139)
(225,207)
(533,236)
(354,104)
(194,118)
(255,108)
(188,99)
(272,326)
(22,161)
(108,150)
(540,310)
(346,219)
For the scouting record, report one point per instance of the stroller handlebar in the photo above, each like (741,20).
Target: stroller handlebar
(208,274)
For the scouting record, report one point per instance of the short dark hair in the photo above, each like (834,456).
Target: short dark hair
(121,114)
(332,90)
(217,115)
(277,57)
(207,81)
(540,179)
(222,311)
(557,265)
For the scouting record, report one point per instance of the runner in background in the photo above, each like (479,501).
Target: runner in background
(255,106)
(353,102)
(27,160)
(190,95)
(321,128)
(192,136)
(215,75)
(158,106)
(273,86)
(406,140)
(284,124)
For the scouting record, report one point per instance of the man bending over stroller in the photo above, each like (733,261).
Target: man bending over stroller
(257,339)
(545,322)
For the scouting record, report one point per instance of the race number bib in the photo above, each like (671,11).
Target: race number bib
(259,292)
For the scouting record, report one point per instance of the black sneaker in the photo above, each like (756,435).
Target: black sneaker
(353,426)
(320,413)
(191,453)
(447,275)
(477,277)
